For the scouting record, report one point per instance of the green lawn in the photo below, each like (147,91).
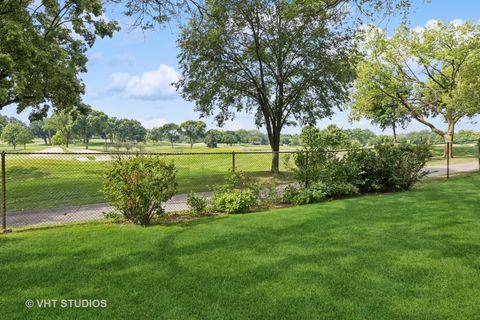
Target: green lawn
(62,180)
(461,154)
(34,182)
(412,255)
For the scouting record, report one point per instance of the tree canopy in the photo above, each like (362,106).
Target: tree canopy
(286,62)
(430,73)
(43,51)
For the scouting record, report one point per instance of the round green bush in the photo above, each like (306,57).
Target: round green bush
(137,186)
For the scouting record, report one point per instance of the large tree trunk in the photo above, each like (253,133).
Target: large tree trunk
(275,146)
(449,140)
(394,128)
(87,140)
(45,140)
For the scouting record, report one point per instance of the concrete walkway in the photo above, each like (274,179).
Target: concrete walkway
(454,168)
(177,203)
(82,213)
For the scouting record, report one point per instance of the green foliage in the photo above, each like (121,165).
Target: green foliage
(278,61)
(171,132)
(387,167)
(193,130)
(301,196)
(234,201)
(16,133)
(137,187)
(237,194)
(197,204)
(43,50)
(423,74)
(114,217)
(59,139)
(211,140)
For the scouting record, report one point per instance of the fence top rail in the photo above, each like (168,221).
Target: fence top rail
(166,153)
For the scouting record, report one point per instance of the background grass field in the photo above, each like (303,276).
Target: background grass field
(35,182)
(411,255)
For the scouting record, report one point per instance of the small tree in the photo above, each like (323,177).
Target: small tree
(59,139)
(25,136)
(12,134)
(193,130)
(211,140)
(171,131)
(138,186)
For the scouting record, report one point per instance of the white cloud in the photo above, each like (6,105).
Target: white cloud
(150,85)
(432,23)
(153,123)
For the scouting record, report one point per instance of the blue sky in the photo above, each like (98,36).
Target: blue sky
(129,75)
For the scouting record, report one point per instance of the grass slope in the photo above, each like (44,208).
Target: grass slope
(402,256)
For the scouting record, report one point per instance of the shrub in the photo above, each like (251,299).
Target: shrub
(299,196)
(137,186)
(268,195)
(197,204)
(114,216)
(234,201)
(401,166)
(237,194)
(59,139)
(338,189)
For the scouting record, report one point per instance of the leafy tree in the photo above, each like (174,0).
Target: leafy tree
(88,125)
(130,130)
(211,139)
(171,132)
(467,136)
(431,73)
(193,130)
(61,121)
(363,136)
(59,138)
(386,113)
(147,13)
(13,134)
(331,138)
(155,134)
(286,62)
(38,130)
(25,136)
(43,50)
(111,128)
(229,138)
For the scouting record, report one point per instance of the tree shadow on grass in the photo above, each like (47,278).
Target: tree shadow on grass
(16,173)
(410,255)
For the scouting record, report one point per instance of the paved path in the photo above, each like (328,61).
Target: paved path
(177,203)
(82,213)
(454,168)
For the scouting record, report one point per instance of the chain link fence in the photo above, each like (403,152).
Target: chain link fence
(48,188)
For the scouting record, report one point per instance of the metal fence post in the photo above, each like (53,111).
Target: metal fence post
(478,146)
(233,160)
(4,196)
(306,169)
(448,159)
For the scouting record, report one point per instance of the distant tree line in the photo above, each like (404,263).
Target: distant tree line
(63,129)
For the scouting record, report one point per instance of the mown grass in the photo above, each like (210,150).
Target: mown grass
(461,154)
(411,255)
(36,182)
